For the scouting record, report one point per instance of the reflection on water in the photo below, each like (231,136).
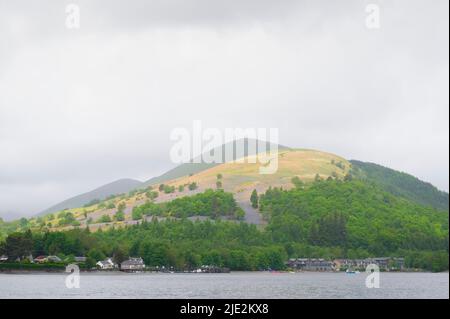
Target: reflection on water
(233,285)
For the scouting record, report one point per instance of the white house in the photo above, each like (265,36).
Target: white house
(106,264)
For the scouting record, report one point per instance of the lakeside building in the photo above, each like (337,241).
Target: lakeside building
(45,259)
(132,264)
(384,263)
(40,259)
(54,259)
(106,264)
(311,264)
(80,259)
(320,264)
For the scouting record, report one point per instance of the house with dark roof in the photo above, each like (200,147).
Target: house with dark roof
(384,263)
(310,264)
(54,259)
(132,264)
(80,259)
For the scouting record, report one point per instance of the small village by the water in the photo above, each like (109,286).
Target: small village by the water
(137,264)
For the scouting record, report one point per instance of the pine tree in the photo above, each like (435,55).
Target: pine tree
(254,199)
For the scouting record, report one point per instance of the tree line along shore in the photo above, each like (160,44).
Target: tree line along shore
(327,219)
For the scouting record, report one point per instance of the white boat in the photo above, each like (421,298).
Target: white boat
(351,272)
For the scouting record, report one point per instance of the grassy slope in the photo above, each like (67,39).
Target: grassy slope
(242,178)
(126,185)
(238,178)
(198,165)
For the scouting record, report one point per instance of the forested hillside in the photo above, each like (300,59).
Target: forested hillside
(327,218)
(354,218)
(402,184)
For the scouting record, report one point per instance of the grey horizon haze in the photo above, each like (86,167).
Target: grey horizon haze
(80,108)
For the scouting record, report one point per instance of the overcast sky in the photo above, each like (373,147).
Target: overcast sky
(83,107)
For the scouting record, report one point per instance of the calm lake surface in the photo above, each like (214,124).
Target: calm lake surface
(232,285)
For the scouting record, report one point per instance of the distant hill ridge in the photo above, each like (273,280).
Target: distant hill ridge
(126,185)
(394,182)
(117,187)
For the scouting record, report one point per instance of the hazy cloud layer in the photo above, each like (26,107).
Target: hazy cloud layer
(80,108)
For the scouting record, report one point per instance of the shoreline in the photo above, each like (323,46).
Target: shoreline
(116,272)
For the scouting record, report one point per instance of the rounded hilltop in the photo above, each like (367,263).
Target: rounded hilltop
(241,178)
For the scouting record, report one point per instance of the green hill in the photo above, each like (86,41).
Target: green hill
(323,219)
(356,219)
(241,179)
(402,184)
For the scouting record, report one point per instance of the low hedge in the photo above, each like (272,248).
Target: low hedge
(29,266)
